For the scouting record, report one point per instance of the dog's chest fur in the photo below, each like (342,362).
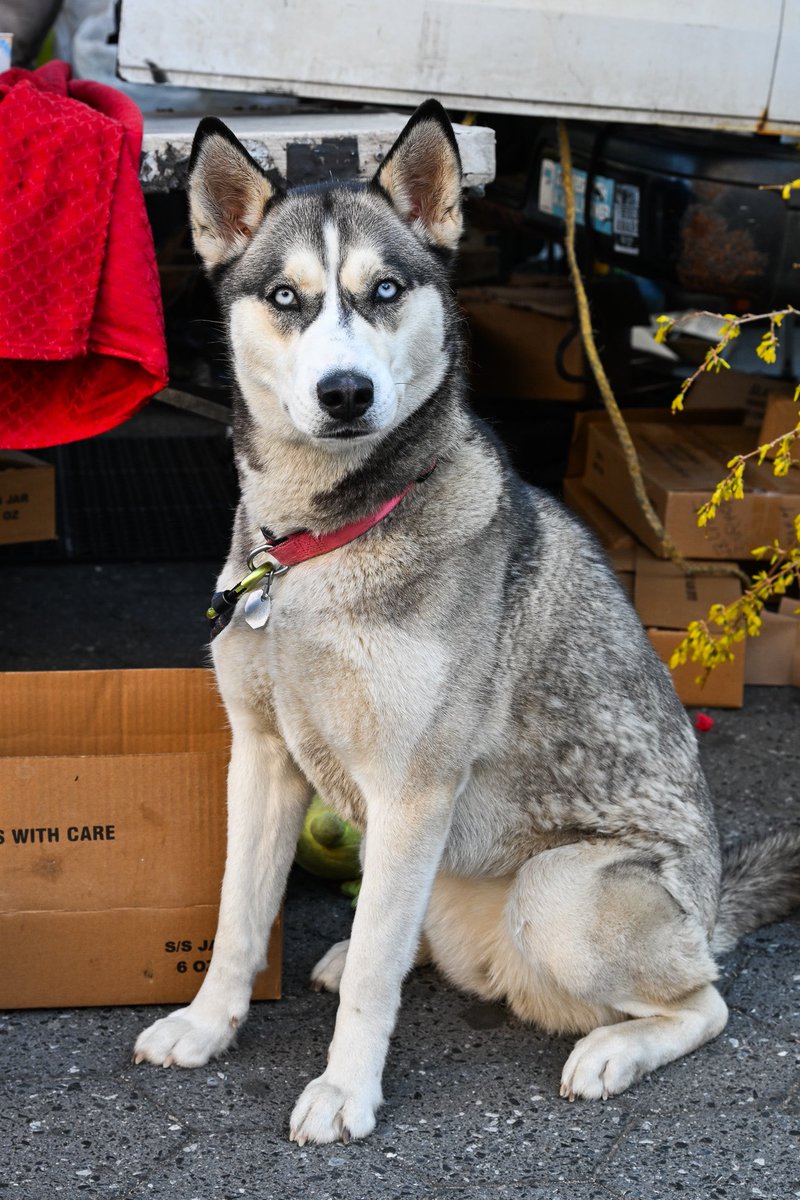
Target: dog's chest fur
(355,691)
(355,665)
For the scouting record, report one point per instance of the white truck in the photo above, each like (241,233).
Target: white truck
(714,64)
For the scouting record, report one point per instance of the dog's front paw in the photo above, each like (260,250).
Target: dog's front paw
(602,1064)
(327,974)
(328,1112)
(184,1040)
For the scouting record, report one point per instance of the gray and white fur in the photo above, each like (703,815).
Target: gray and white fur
(466,681)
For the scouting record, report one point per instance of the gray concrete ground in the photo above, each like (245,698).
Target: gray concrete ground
(472,1106)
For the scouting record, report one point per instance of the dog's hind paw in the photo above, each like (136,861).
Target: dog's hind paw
(182,1040)
(329,1113)
(602,1064)
(327,974)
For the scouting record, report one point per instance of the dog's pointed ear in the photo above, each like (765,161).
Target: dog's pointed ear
(228,193)
(421,175)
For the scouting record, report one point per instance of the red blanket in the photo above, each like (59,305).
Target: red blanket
(81,327)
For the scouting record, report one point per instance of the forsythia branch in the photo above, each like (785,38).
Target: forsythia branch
(730,329)
(711,641)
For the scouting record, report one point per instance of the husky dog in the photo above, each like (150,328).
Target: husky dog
(465,680)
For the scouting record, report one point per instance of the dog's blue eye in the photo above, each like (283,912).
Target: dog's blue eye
(387,289)
(284,297)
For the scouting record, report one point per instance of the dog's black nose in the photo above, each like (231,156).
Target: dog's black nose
(345,395)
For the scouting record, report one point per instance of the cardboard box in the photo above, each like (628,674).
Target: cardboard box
(681,465)
(666,600)
(773,658)
(781,414)
(516,345)
(27,498)
(723,687)
(478,256)
(627,581)
(617,541)
(579,447)
(749,394)
(112,837)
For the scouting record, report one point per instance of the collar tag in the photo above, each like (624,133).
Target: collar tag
(258,606)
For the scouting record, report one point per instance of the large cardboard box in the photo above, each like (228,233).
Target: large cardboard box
(681,465)
(112,837)
(617,541)
(722,688)
(519,338)
(584,421)
(773,657)
(666,600)
(27,498)
(780,416)
(750,394)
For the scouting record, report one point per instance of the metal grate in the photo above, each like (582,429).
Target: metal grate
(139,499)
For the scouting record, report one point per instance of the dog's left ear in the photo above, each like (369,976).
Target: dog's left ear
(421,175)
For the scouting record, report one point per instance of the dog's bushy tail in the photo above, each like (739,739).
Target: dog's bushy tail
(760,883)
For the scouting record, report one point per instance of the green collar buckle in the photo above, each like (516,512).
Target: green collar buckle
(223,603)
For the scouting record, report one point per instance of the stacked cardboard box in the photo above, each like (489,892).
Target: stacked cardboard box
(781,414)
(112,837)
(682,460)
(27,498)
(667,599)
(664,597)
(617,541)
(681,465)
(773,658)
(747,395)
(524,341)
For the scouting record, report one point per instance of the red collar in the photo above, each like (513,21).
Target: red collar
(294,549)
(299,547)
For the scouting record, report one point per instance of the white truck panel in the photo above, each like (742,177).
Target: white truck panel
(695,62)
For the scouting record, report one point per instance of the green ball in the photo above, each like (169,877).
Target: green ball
(328,846)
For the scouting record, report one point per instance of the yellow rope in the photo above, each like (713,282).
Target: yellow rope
(609,399)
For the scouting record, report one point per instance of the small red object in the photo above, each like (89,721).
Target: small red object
(703,722)
(81,328)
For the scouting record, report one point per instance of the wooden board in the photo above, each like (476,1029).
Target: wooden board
(305,147)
